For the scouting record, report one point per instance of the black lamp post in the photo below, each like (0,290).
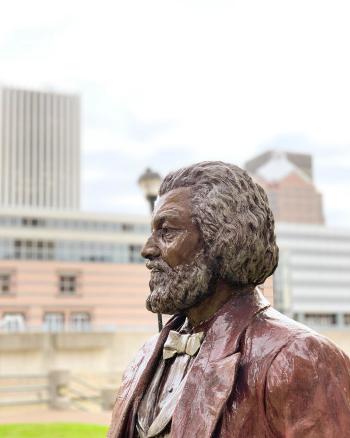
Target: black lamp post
(149,182)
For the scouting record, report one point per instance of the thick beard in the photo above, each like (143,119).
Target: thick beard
(176,289)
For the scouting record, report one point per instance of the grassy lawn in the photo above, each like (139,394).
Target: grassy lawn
(52,431)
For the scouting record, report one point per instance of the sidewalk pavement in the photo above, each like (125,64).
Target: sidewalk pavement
(44,415)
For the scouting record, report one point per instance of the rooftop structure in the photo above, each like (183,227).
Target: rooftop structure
(287,180)
(300,161)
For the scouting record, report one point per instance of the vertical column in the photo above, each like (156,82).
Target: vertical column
(14,148)
(340,320)
(42,122)
(1,150)
(47,152)
(59,163)
(34,151)
(6,141)
(72,150)
(55,159)
(76,152)
(10,144)
(68,183)
(21,146)
(62,152)
(16,145)
(27,146)
(58,381)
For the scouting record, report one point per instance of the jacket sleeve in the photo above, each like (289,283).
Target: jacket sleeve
(308,390)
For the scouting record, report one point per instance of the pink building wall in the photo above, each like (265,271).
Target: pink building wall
(113,294)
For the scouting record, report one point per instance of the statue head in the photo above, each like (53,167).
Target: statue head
(211,221)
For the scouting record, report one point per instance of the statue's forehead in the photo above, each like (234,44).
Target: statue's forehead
(177,198)
(174,203)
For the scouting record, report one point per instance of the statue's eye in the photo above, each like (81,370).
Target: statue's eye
(167,232)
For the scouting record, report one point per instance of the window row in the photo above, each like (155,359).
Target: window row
(74,224)
(323,319)
(82,251)
(68,283)
(52,322)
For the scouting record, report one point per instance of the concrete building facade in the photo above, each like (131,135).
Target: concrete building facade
(312,281)
(39,149)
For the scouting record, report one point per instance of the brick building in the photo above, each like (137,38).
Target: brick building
(288,181)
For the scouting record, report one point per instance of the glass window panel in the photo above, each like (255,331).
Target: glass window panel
(54,321)
(80,321)
(325,319)
(68,284)
(12,322)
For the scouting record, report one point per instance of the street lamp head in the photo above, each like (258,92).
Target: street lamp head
(149,183)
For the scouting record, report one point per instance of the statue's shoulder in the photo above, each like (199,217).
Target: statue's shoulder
(305,376)
(283,331)
(274,337)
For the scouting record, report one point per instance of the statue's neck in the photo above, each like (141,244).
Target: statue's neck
(210,305)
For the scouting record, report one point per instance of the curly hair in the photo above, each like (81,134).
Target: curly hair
(234,217)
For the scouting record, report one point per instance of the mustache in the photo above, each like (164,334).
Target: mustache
(157,265)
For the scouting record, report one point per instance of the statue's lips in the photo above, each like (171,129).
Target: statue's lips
(154,266)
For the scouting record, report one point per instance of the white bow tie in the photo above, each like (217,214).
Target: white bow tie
(177,343)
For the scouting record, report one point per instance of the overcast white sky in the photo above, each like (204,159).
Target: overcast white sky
(166,83)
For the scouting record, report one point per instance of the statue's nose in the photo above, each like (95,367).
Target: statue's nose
(150,249)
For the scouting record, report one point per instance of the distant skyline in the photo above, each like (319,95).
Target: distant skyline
(165,84)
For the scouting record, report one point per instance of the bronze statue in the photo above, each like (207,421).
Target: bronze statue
(226,364)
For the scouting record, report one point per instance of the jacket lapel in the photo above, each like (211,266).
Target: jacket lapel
(212,377)
(135,381)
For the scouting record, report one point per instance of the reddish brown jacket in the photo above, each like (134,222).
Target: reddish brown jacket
(258,374)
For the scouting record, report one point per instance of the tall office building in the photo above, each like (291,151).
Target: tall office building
(39,149)
(287,180)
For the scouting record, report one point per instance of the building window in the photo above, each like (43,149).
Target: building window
(347,319)
(5,283)
(320,319)
(68,284)
(54,321)
(12,322)
(135,254)
(34,250)
(127,227)
(80,321)
(33,222)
